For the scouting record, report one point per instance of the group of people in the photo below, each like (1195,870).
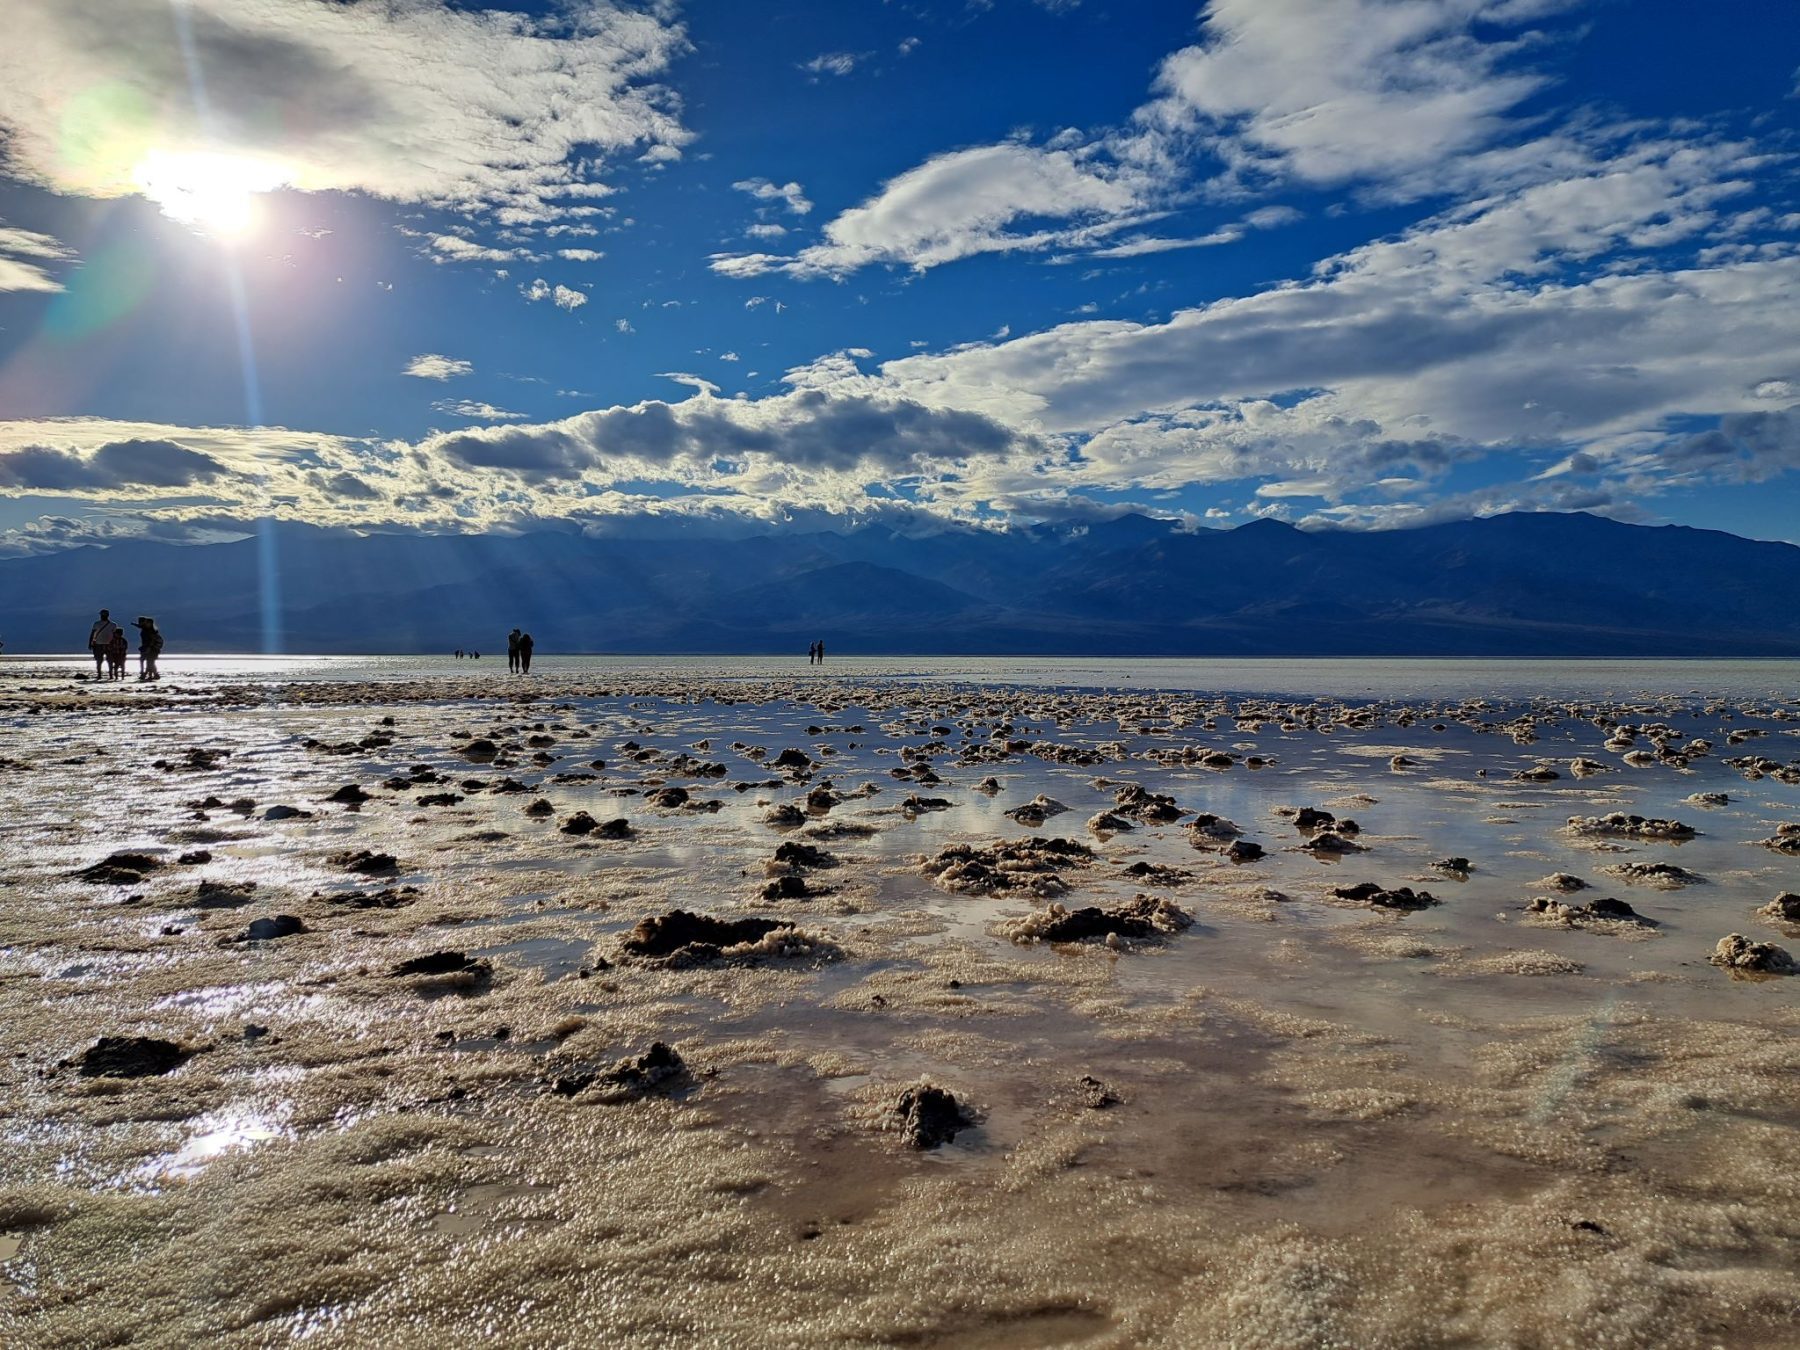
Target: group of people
(815,654)
(518,652)
(461,655)
(109,647)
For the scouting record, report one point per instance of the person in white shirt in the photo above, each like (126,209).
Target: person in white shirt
(100,637)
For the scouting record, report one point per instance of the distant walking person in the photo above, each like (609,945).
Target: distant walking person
(512,651)
(525,645)
(116,654)
(100,637)
(819,647)
(150,645)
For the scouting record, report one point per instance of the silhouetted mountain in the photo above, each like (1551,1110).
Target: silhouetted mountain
(1514,585)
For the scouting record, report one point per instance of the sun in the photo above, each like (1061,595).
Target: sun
(216,193)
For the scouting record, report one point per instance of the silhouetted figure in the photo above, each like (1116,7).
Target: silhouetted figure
(512,651)
(150,645)
(819,646)
(100,637)
(117,651)
(525,645)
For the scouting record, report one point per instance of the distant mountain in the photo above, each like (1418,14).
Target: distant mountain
(1512,585)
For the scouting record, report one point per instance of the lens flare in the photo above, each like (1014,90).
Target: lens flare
(215,193)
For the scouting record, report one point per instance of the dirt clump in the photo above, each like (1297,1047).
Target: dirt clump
(1784,908)
(929,1116)
(1739,954)
(365,861)
(1400,897)
(681,938)
(632,1077)
(1143,916)
(131,1057)
(1033,865)
(120,869)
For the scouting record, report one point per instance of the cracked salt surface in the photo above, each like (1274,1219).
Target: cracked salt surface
(1329,1124)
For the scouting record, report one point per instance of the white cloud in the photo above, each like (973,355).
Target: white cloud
(454,248)
(476,411)
(766,230)
(433,366)
(1333,91)
(407,100)
(833,63)
(790,194)
(580,254)
(23,254)
(623,326)
(960,204)
(562,296)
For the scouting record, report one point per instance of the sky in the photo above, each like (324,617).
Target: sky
(417,265)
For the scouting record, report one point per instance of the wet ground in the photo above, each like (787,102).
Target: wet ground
(1286,1117)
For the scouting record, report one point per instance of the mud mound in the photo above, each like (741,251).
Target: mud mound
(1619,825)
(1740,955)
(131,1057)
(120,869)
(1784,908)
(1142,917)
(629,1079)
(681,938)
(929,1116)
(1033,865)
(1400,897)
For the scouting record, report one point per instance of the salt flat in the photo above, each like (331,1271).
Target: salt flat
(410,1085)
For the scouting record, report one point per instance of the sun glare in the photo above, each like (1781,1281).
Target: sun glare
(214,193)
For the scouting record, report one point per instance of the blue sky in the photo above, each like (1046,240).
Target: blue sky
(1354,262)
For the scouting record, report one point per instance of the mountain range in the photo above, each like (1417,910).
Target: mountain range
(1537,584)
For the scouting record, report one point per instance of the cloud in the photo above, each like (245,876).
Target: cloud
(432,366)
(960,204)
(408,100)
(833,63)
(561,296)
(580,254)
(748,447)
(22,255)
(1345,90)
(454,248)
(135,463)
(476,410)
(790,195)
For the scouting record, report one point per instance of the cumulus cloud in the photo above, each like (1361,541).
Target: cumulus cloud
(408,100)
(562,297)
(120,464)
(23,255)
(433,366)
(789,195)
(748,445)
(1332,91)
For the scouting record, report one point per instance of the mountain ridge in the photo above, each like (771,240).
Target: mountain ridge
(1521,584)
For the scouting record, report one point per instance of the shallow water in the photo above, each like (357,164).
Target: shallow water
(1299,677)
(1335,1125)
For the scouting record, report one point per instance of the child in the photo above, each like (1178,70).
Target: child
(116,652)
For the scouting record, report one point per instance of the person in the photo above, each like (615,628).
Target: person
(150,645)
(525,645)
(512,651)
(116,653)
(819,647)
(812,653)
(100,637)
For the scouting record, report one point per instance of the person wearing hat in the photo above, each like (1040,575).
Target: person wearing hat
(150,645)
(100,637)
